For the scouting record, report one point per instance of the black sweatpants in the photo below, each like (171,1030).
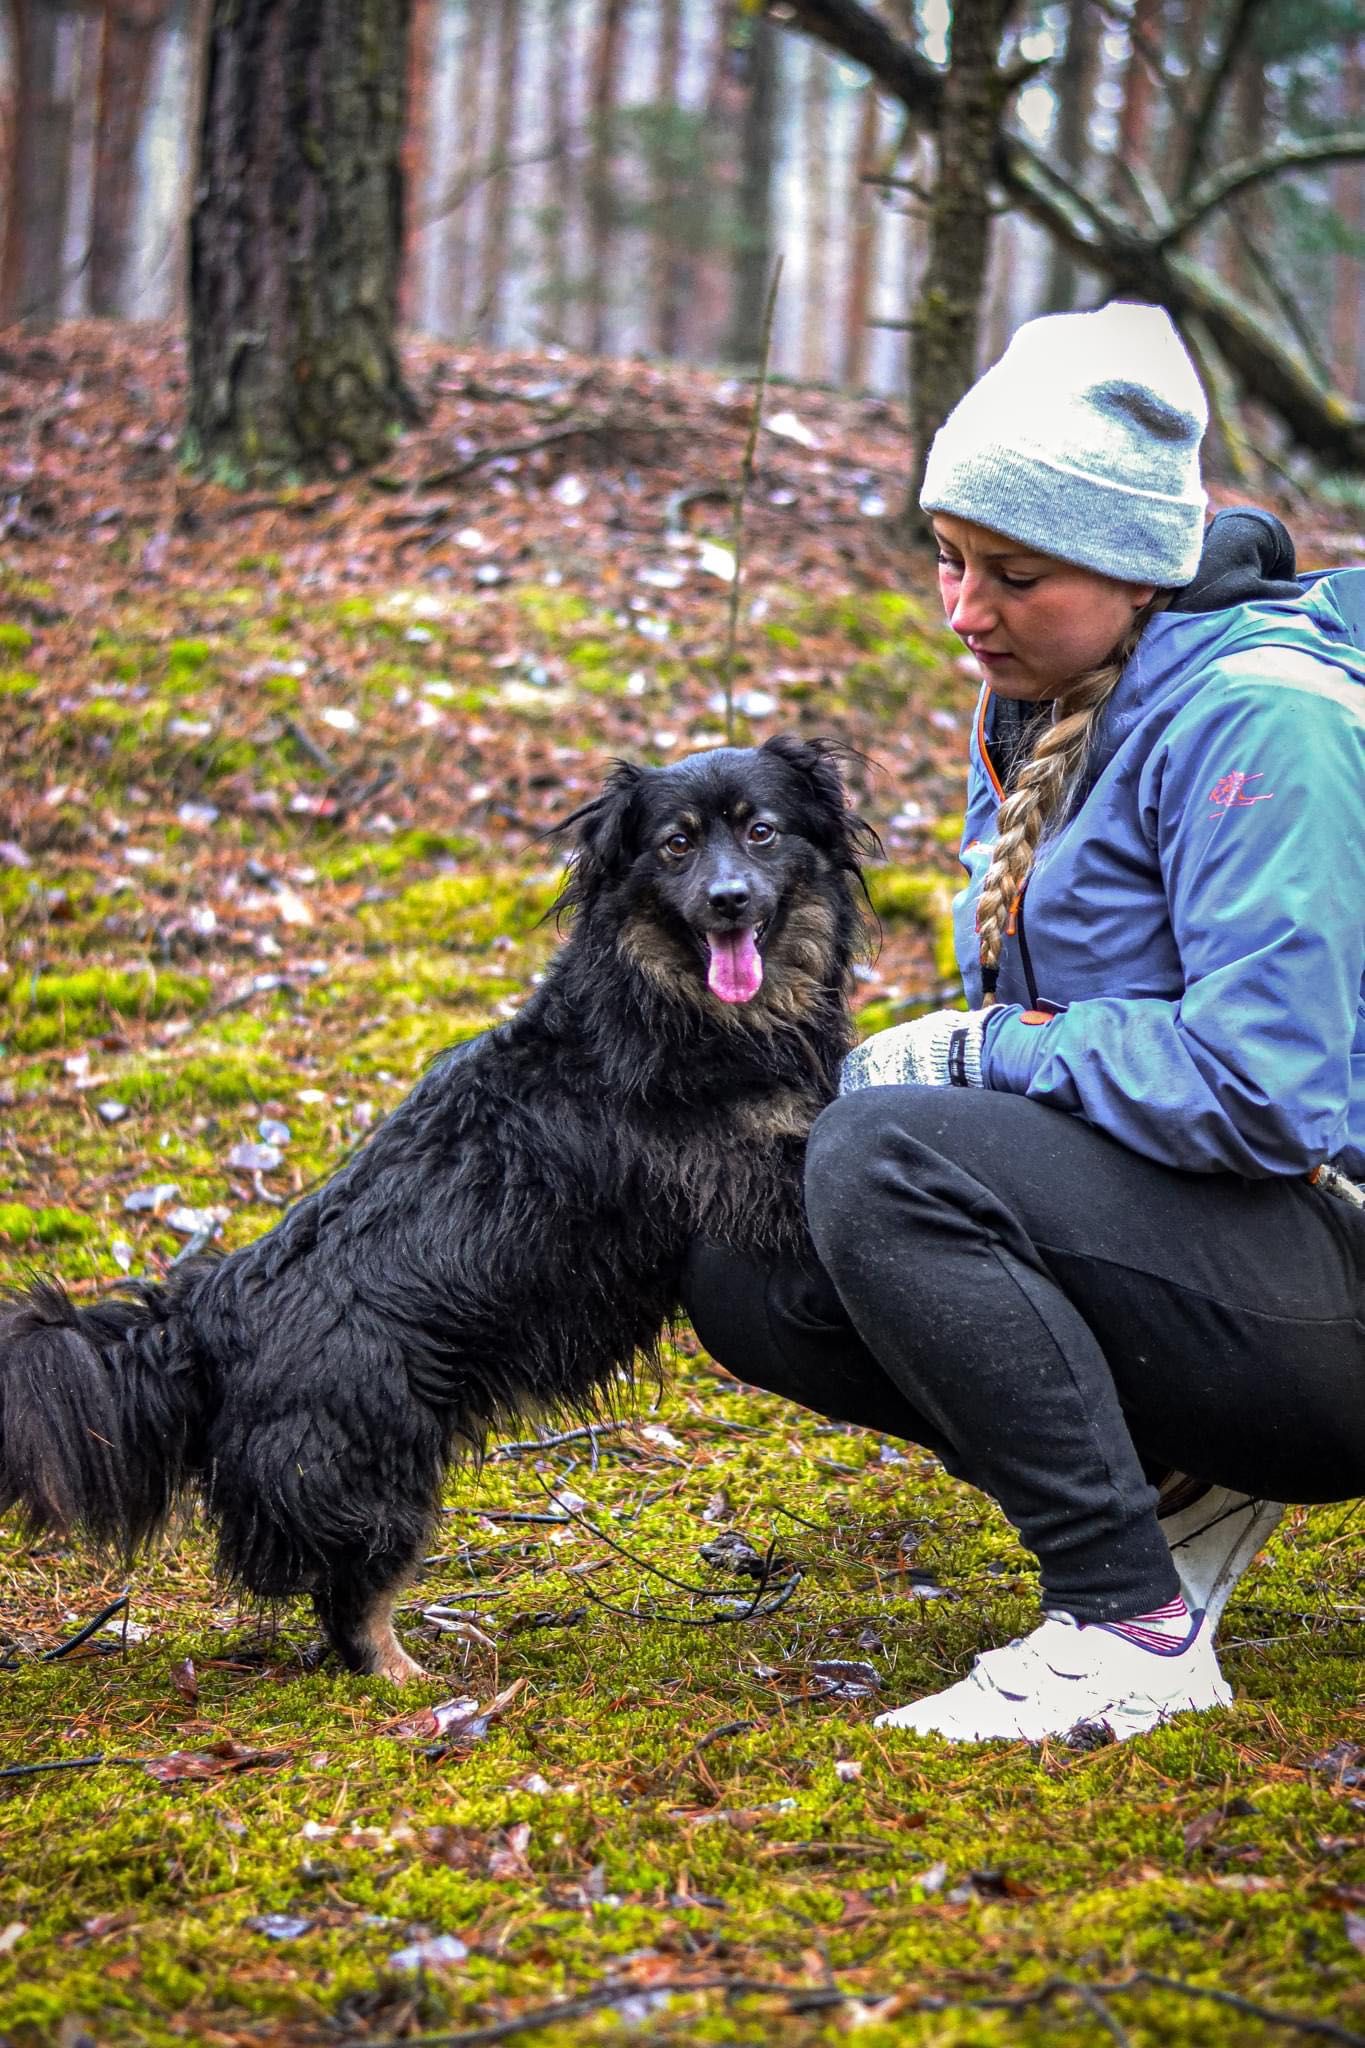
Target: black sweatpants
(1059,1319)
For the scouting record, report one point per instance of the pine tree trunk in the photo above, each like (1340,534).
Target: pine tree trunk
(943,336)
(558,208)
(1348,313)
(707,314)
(40,149)
(297,236)
(459,292)
(1135,111)
(131,28)
(416,158)
(753,261)
(668,266)
(863,213)
(606,59)
(1074,84)
(495,245)
(815,113)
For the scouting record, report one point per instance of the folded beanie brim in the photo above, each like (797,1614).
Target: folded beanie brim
(1135,536)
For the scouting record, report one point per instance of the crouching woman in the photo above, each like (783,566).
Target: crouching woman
(1097,1241)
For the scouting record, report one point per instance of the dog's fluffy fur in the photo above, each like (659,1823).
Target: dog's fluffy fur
(507,1244)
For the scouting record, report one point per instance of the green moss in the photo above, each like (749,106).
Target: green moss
(462,910)
(20,1226)
(869,619)
(191,655)
(281,689)
(18,682)
(207,1080)
(378,859)
(14,639)
(918,896)
(54,1009)
(551,613)
(109,712)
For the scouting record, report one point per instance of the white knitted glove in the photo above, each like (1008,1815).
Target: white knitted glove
(938,1051)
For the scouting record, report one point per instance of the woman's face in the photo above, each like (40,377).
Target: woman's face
(1033,623)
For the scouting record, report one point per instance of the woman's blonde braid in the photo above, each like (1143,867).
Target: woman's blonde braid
(1040,795)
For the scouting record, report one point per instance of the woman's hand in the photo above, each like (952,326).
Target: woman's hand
(938,1051)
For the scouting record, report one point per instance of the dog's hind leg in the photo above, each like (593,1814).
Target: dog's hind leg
(355,1608)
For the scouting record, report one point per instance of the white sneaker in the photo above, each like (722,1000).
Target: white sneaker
(1213,1538)
(1067,1673)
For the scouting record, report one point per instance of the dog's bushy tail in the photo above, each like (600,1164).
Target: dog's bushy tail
(101,1410)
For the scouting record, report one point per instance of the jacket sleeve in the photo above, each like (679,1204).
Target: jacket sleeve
(1254,805)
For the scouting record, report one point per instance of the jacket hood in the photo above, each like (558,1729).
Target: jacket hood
(1247,554)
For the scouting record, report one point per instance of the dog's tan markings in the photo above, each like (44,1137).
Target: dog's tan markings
(386,1655)
(799,962)
(797,967)
(682,821)
(787,1113)
(672,966)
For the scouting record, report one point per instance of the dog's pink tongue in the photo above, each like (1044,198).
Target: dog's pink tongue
(735,972)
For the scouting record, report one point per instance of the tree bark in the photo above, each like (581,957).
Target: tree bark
(40,148)
(668,264)
(416,157)
(862,207)
(754,256)
(943,328)
(1135,111)
(495,247)
(131,28)
(815,316)
(459,297)
(1074,85)
(558,210)
(606,61)
(296,238)
(1348,299)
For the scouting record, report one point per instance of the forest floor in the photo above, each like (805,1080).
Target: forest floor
(277,769)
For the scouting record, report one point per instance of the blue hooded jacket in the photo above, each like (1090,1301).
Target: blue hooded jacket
(1197,922)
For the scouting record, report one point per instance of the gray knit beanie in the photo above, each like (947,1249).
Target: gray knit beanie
(1083,442)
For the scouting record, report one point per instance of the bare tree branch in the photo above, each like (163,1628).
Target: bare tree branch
(1172,88)
(1345,146)
(854,30)
(1131,261)
(1236,30)
(1325,423)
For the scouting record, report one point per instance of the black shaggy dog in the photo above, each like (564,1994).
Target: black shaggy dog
(508,1242)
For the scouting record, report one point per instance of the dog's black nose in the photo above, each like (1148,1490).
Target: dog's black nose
(729,897)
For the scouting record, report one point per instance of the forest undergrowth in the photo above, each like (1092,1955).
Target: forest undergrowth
(277,775)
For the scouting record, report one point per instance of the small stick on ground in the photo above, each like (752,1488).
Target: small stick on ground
(91,1628)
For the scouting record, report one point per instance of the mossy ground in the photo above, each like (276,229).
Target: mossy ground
(228,915)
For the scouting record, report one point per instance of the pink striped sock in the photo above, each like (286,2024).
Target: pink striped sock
(1166,1631)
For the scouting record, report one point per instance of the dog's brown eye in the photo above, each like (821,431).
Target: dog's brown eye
(677,843)
(761,834)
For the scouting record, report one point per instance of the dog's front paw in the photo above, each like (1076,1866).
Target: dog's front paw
(393,1662)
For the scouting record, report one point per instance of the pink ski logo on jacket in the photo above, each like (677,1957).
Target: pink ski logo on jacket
(1231,790)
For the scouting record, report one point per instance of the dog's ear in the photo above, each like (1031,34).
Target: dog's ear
(833,825)
(602,846)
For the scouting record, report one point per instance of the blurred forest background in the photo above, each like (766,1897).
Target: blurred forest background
(619,176)
(375,380)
